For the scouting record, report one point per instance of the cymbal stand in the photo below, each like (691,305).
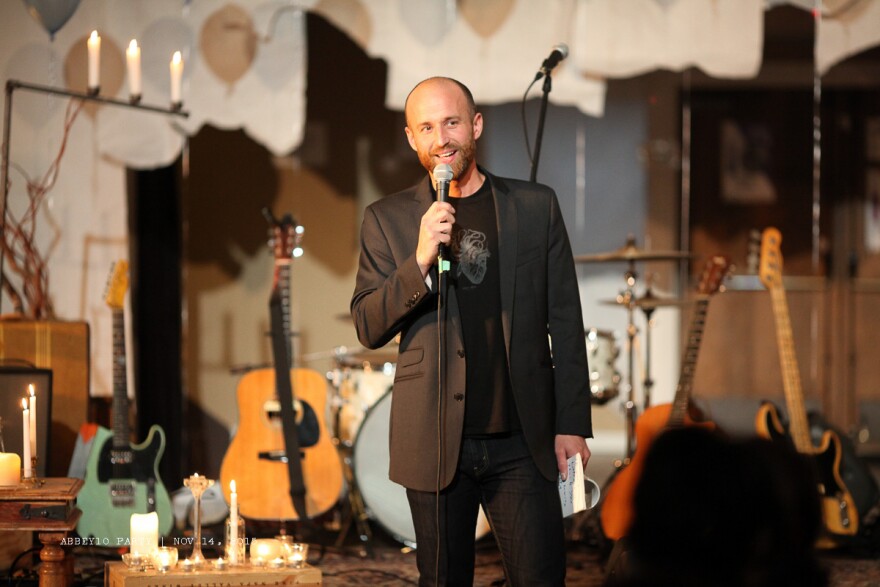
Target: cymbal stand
(354,510)
(648,382)
(629,405)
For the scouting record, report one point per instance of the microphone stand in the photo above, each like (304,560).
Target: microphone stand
(548,83)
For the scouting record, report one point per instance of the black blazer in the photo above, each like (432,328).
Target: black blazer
(539,297)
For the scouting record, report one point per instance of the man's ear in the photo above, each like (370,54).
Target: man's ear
(478,125)
(410,138)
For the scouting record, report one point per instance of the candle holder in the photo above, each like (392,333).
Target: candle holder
(165,558)
(299,552)
(94,90)
(176,106)
(197,484)
(34,479)
(220,564)
(235,541)
(134,99)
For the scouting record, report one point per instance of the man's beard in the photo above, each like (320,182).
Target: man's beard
(464,157)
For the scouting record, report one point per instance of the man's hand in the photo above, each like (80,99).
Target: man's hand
(567,446)
(436,228)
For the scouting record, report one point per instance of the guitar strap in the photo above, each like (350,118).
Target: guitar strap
(285,398)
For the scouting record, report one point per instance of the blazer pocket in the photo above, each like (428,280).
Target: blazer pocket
(409,364)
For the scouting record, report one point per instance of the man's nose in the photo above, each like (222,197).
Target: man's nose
(440,136)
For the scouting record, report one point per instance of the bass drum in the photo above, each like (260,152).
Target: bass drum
(384,499)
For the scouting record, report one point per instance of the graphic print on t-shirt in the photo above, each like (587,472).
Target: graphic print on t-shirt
(472,254)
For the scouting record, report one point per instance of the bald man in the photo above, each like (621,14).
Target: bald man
(481,413)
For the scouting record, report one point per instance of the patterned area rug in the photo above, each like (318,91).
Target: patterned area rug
(392,566)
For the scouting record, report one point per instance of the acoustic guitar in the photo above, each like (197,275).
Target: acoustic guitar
(121,478)
(256,457)
(616,513)
(839,514)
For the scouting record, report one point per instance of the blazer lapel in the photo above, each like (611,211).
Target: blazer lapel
(505,211)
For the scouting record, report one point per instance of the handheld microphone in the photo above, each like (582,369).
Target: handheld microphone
(442,175)
(559,52)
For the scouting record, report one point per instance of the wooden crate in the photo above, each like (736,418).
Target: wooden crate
(117,574)
(62,347)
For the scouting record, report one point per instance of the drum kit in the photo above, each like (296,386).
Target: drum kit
(360,419)
(648,302)
(360,409)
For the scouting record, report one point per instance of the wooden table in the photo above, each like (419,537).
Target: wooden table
(48,508)
(117,574)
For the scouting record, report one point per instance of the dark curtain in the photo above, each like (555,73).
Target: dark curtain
(154,223)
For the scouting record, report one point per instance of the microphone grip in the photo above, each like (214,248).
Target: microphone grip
(442,191)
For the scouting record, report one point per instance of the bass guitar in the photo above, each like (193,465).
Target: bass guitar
(616,513)
(839,514)
(121,478)
(256,457)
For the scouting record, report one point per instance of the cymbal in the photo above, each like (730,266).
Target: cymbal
(647,302)
(630,252)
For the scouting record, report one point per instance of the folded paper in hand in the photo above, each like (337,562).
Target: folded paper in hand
(573,491)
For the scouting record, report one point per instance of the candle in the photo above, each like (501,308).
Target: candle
(298,553)
(133,63)
(26,438)
(164,558)
(10,468)
(220,564)
(233,524)
(144,533)
(277,562)
(94,60)
(176,74)
(264,549)
(33,408)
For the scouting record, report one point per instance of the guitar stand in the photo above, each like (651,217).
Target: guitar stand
(353,510)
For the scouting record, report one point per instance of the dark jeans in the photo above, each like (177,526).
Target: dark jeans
(523,510)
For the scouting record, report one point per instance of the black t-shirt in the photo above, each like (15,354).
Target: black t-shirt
(475,276)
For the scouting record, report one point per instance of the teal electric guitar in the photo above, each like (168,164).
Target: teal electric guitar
(121,478)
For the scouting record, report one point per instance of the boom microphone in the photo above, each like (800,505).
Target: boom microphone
(559,52)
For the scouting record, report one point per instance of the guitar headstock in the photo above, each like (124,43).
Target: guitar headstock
(285,236)
(717,269)
(117,285)
(770,269)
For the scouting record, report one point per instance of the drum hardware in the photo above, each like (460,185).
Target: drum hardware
(601,353)
(648,303)
(386,502)
(354,510)
(630,253)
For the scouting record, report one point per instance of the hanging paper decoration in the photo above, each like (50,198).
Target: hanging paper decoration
(428,20)
(485,16)
(51,14)
(228,43)
(350,16)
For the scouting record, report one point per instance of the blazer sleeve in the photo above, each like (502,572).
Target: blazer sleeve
(389,284)
(566,327)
